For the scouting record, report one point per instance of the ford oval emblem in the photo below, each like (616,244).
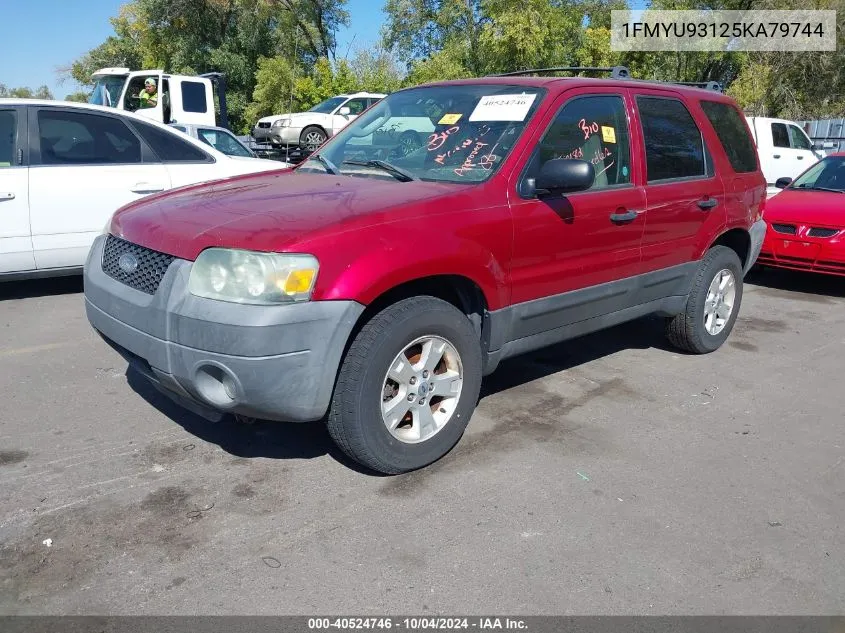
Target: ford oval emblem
(128,263)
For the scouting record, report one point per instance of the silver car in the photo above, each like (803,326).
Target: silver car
(219,138)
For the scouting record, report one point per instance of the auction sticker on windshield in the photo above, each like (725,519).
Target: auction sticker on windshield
(502,108)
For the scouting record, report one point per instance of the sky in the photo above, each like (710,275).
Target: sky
(63,30)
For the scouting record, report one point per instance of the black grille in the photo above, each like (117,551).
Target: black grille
(148,271)
(264,124)
(820,232)
(789,229)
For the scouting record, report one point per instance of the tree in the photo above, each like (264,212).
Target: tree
(24,92)
(229,36)
(79,97)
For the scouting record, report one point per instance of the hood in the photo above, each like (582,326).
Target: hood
(809,208)
(271,211)
(272,118)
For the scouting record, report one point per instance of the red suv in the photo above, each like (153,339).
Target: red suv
(447,228)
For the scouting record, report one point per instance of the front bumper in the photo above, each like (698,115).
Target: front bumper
(802,252)
(285,135)
(269,362)
(261,134)
(758,234)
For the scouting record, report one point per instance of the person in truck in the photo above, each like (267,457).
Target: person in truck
(149,95)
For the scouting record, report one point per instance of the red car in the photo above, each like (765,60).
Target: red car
(374,285)
(806,221)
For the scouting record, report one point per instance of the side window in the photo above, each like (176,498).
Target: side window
(356,106)
(780,137)
(193,97)
(798,138)
(169,146)
(674,147)
(78,138)
(372,101)
(8,136)
(732,134)
(594,129)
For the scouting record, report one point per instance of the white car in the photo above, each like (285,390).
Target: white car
(65,168)
(308,130)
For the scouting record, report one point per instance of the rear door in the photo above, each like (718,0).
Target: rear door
(186,163)
(588,238)
(84,166)
(15,236)
(685,198)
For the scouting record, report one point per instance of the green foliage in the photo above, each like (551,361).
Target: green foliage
(24,92)
(280,55)
(79,97)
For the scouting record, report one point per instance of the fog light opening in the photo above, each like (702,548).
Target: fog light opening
(217,385)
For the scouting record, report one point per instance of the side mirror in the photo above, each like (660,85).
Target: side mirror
(344,111)
(564,175)
(782,183)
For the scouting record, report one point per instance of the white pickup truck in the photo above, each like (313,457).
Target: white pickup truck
(783,147)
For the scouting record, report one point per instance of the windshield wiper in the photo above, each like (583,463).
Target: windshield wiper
(397,172)
(820,188)
(325,162)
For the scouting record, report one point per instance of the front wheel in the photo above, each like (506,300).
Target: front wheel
(312,137)
(712,306)
(407,386)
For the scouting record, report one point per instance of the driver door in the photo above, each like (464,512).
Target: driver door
(588,242)
(356,106)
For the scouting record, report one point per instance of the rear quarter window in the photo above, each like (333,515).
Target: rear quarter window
(732,134)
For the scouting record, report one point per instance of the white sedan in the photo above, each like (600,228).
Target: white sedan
(65,168)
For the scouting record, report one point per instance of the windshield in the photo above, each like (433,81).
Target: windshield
(107,91)
(328,106)
(828,173)
(456,133)
(223,142)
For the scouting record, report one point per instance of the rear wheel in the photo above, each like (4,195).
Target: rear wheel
(712,306)
(407,387)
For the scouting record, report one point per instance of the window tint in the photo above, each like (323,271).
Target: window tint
(356,106)
(780,137)
(798,138)
(168,146)
(8,134)
(193,97)
(77,138)
(594,129)
(223,142)
(373,100)
(673,144)
(732,134)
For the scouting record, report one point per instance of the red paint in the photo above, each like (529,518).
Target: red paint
(370,235)
(805,210)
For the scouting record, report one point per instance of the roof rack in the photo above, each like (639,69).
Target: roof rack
(616,72)
(707,85)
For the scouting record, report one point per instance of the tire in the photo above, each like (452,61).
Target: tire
(311,138)
(689,330)
(356,421)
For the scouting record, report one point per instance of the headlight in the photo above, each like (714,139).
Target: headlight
(250,277)
(282,123)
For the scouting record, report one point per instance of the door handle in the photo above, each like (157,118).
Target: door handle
(800,158)
(707,204)
(623,217)
(7,195)
(775,155)
(145,187)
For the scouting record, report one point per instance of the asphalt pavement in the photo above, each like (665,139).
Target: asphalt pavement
(607,475)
